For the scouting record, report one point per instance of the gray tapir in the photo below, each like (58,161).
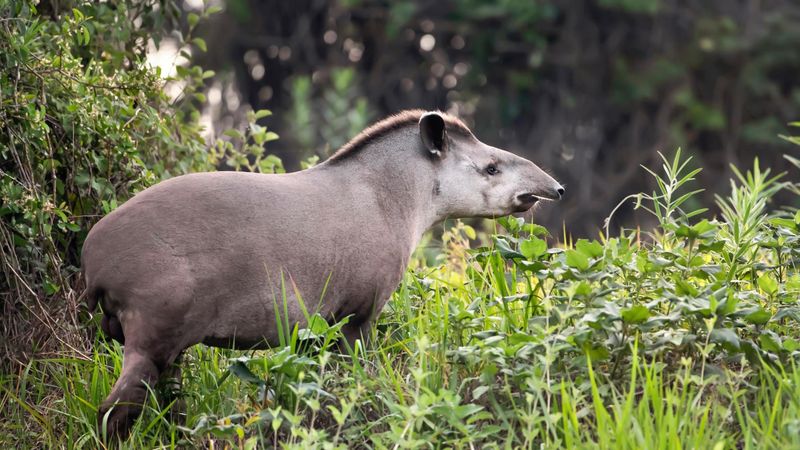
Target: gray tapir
(215,258)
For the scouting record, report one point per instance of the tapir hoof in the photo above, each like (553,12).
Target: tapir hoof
(119,421)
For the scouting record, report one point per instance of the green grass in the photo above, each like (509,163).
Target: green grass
(407,394)
(686,337)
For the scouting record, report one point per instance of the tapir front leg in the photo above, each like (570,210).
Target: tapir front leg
(352,333)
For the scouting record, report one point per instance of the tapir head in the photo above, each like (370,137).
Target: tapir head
(478,180)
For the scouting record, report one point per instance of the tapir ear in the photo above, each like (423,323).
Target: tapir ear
(433,133)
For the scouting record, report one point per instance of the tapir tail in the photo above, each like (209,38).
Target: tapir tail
(92,297)
(110,324)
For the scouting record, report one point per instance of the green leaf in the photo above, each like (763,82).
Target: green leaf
(535,230)
(768,283)
(770,343)
(479,391)
(727,306)
(200,43)
(726,337)
(214,9)
(261,113)
(791,312)
(318,325)
(510,223)
(635,314)
(759,316)
(591,249)
(533,248)
(505,249)
(577,260)
(782,222)
(242,372)
(683,287)
(714,246)
(583,288)
(596,352)
(703,228)
(234,134)
(192,19)
(51,288)
(470,232)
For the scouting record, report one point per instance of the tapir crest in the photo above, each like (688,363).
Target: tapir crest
(201,258)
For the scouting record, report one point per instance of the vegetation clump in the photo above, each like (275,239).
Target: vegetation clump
(84,124)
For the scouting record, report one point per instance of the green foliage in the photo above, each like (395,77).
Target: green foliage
(338,113)
(527,345)
(632,6)
(245,151)
(84,124)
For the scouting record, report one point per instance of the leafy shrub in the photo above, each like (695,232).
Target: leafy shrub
(84,124)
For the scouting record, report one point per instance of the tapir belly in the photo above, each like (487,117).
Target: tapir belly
(266,314)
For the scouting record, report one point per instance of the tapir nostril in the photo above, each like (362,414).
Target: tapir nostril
(560,191)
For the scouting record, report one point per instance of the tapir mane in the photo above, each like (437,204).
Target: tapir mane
(392,123)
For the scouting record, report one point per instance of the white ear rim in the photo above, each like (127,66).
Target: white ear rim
(434,151)
(430,113)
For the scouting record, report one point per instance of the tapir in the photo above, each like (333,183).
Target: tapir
(219,258)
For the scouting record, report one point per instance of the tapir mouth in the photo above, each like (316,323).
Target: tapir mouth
(528,198)
(532,197)
(526,201)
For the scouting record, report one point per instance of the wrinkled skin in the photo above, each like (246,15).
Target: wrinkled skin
(204,258)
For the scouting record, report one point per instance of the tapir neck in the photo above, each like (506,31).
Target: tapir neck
(396,173)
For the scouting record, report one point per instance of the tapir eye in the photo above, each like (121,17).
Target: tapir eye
(491,169)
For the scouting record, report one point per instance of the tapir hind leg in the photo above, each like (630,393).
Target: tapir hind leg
(149,352)
(129,394)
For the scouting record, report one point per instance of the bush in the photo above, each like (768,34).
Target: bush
(84,124)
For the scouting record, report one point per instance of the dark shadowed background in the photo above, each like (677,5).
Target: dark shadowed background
(587,89)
